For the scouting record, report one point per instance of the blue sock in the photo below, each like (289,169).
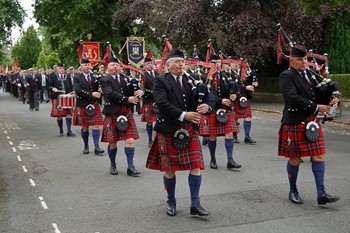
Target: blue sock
(129,152)
(96,136)
(85,136)
(212,148)
(149,129)
(195,184)
(169,186)
(247,125)
(229,145)
(69,123)
(112,153)
(292,176)
(318,169)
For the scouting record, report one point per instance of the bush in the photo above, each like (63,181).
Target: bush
(344,83)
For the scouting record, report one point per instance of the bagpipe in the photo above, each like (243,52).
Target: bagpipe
(326,89)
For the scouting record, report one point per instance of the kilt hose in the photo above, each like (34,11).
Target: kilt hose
(110,132)
(164,157)
(210,126)
(59,112)
(299,146)
(147,113)
(242,112)
(80,118)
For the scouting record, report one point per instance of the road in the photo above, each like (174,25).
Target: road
(48,185)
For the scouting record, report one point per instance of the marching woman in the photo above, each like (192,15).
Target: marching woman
(300,132)
(88,110)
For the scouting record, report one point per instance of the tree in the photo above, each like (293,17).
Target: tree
(41,63)
(27,49)
(11,15)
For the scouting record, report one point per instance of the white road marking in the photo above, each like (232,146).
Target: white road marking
(56,228)
(24,168)
(8,137)
(11,143)
(14,149)
(5,131)
(19,158)
(43,203)
(27,145)
(32,182)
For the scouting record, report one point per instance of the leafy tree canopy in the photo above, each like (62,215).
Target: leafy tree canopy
(11,15)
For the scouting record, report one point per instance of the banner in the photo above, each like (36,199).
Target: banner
(135,47)
(90,50)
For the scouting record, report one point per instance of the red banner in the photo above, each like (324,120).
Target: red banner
(90,50)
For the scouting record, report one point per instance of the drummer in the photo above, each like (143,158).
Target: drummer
(58,86)
(88,110)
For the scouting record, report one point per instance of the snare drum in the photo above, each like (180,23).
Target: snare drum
(66,101)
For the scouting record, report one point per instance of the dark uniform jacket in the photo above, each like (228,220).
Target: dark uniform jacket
(55,82)
(299,97)
(172,103)
(83,90)
(33,81)
(220,91)
(115,95)
(148,87)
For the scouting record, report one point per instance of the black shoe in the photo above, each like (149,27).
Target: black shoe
(198,210)
(301,160)
(37,109)
(98,150)
(213,164)
(232,164)
(41,101)
(113,169)
(326,198)
(171,209)
(249,140)
(70,134)
(47,101)
(86,150)
(60,134)
(133,172)
(235,138)
(295,198)
(149,143)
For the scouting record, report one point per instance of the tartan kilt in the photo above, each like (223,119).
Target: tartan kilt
(80,117)
(164,157)
(300,146)
(210,126)
(242,112)
(111,134)
(62,112)
(147,113)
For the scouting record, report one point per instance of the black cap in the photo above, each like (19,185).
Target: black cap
(60,65)
(214,57)
(147,59)
(113,59)
(85,60)
(175,53)
(298,51)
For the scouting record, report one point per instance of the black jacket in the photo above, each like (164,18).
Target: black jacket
(83,90)
(54,82)
(172,103)
(148,87)
(299,97)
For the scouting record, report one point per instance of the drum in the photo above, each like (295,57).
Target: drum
(66,101)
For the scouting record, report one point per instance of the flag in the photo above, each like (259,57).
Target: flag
(210,51)
(107,55)
(194,52)
(149,53)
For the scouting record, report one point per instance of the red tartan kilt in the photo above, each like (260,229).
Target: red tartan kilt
(242,112)
(164,157)
(300,146)
(59,112)
(210,126)
(80,117)
(147,113)
(110,133)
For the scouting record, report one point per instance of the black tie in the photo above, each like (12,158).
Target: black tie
(305,78)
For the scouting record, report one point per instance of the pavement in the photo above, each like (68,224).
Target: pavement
(342,114)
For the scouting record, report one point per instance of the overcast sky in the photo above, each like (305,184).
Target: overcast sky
(28,21)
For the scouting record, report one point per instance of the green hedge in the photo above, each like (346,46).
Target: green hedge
(270,84)
(344,83)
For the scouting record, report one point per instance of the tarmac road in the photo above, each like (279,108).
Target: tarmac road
(48,185)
